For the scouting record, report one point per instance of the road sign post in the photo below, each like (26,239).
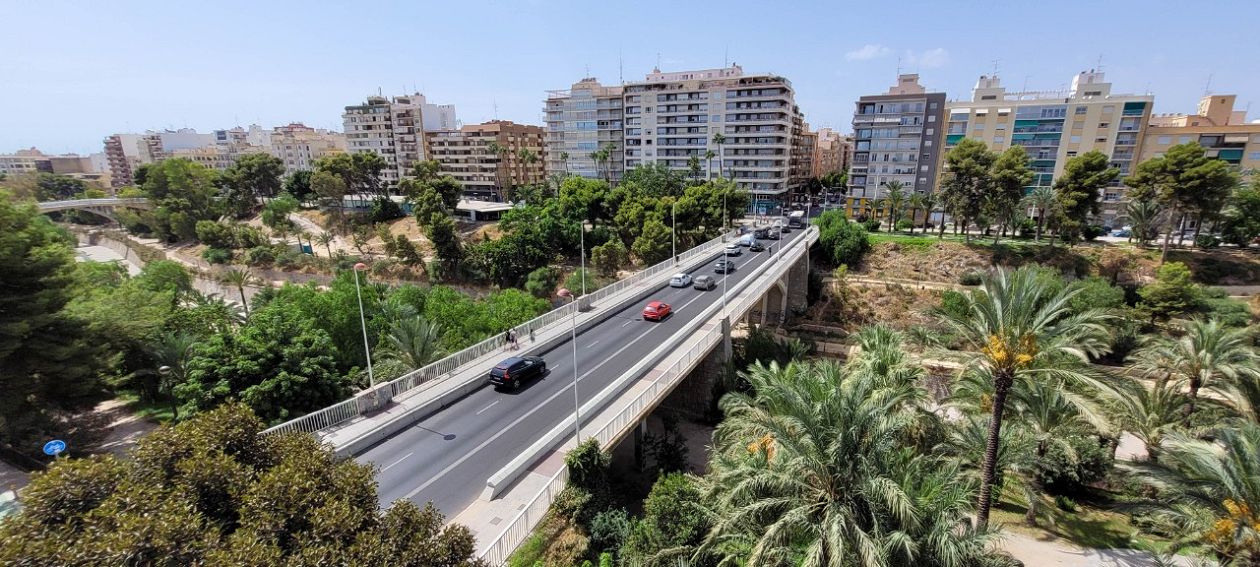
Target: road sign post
(54,447)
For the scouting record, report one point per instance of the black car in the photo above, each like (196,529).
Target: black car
(513,371)
(724,266)
(756,247)
(786,229)
(704,283)
(760,233)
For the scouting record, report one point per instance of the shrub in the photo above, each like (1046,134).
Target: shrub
(1207,241)
(588,467)
(385,209)
(904,224)
(260,256)
(216,255)
(1172,292)
(672,518)
(575,281)
(1027,228)
(871,225)
(1095,293)
(843,241)
(954,303)
(610,257)
(971,278)
(1062,474)
(215,234)
(609,529)
(1092,232)
(542,282)
(1229,312)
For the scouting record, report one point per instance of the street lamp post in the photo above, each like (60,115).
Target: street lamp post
(582,228)
(577,416)
(673,230)
(367,351)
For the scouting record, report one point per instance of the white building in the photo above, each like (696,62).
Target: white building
(299,145)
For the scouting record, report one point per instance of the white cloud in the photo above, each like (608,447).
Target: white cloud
(867,52)
(929,59)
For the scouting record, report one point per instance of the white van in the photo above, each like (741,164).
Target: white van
(747,240)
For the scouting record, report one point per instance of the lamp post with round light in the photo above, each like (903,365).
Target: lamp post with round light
(359,267)
(577,417)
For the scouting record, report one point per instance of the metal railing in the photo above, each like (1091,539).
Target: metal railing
(523,524)
(79,203)
(436,372)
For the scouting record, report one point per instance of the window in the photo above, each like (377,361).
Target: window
(1071,154)
(927,143)
(715,118)
(999,139)
(1253,156)
(1183,139)
(979,126)
(1104,124)
(1109,109)
(1164,140)
(932,106)
(930,131)
(1081,110)
(1000,126)
(932,118)
(1101,140)
(1075,139)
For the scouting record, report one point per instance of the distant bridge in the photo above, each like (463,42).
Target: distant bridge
(103,207)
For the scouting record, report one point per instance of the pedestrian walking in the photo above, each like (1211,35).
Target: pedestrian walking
(516,345)
(531,335)
(507,340)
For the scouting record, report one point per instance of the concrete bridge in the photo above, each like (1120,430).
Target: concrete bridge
(102,207)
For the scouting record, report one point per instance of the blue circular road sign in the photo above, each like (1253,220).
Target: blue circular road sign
(54,447)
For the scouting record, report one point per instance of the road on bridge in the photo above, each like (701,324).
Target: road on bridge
(447,457)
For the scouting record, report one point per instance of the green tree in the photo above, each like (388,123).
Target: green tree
(967,181)
(895,199)
(171,353)
(48,365)
(325,239)
(844,242)
(276,213)
(674,521)
(915,203)
(298,184)
(165,275)
(360,172)
(253,178)
(1184,181)
(329,188)
(412,341)
(609,257)
(1143,215)
(653,245)
(1019,328)
(719,140)
(1010,175)
(214,491)
(1207,356)
(1241,219)
(1148,412)
(427,203)
(182,192)
(278,364)
(542,282)
(693,168)
(239,279)
(1172,293)
(446,244)
(1079,191)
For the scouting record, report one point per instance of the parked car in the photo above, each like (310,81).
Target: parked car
(756,247)
(513,371)
(680,280)
(705,283)
(656,310)
(733,249)
(724,266)
(1122,233)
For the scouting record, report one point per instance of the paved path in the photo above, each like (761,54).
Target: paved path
(1038,552)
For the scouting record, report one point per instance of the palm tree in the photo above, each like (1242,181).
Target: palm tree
(564,161)
(220,314)
(708,157)
(719,139)
(895,198)
(931,204)
(811,469)
(325,239)
(1019,328)
(1042,200)
(1148,412)
(1209,490)
(1208,356)
(876,207)
(693,168)
(915,203)
(238,279)
(412,341)
(171,353)
(1144,217)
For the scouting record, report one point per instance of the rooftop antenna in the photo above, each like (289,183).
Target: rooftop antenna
(496,109)
(1100,60)
(898,65)
(658,60)
(1207,88)
(1025,87)
(726,56)
(588,70)
(621,72)
(995,66)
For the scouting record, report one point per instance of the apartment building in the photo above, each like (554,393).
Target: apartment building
(802,162)
(23,162)
(490,158)
(897,136)
(580,121)
(671,117)
(832,152)
(390,127)
(126,152)
(299,145)
(32,161)
(1054,126)
(1223,131)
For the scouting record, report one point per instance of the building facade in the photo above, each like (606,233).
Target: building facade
(491,158)
(581,121)
(126,152)
(32,161)
(390,127)
(299,145)
(1221,130)
(832,152)
(897,136)
(1054,126)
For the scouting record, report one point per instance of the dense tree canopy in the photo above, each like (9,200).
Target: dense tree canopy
(183,192)
(1079,191)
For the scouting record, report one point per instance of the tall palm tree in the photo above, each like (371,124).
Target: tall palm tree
(1019,328)
(1208,356)
(876,206)
(811,469)
(325,239)
(693,167)
(412,341)
(1210,490)
(719,139)
(708,158)
(1144,216)
(238,279)
(171,353)
(895,198)
(1042,200)
(931,204)
(915,202)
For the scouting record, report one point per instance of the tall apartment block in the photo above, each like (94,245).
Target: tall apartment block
(897,136)
(487,172)
(390,127)
(832,152)
(580,121)
(1054,126)
(126,152)
(299,145)
(1221,130)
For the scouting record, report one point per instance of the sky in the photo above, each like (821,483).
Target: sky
(73,72)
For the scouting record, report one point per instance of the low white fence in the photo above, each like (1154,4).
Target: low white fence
(436,372)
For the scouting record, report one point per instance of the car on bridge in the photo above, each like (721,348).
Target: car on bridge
(705,283)
(656,310)
(724,266)
(680,280)
(756,247)
(733,249)
(513,371)
(772,234)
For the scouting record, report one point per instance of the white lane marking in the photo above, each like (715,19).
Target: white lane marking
(626,323)
(488,407)
(404,457)
(596,342)
(517,421)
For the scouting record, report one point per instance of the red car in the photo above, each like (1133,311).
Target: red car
(656,310)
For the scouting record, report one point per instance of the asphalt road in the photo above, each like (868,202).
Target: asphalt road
(447,457)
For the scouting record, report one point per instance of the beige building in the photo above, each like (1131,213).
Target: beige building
(299,145)
(392,128)
(580,121)
(832,152)
(490,158)
(1054,126)
(1221,130)
(22,162)
(126,152)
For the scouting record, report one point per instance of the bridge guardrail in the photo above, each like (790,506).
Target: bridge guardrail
(435,372)
(520,527)
(108,202)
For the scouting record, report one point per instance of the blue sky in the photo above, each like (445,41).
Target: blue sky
(74,72)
